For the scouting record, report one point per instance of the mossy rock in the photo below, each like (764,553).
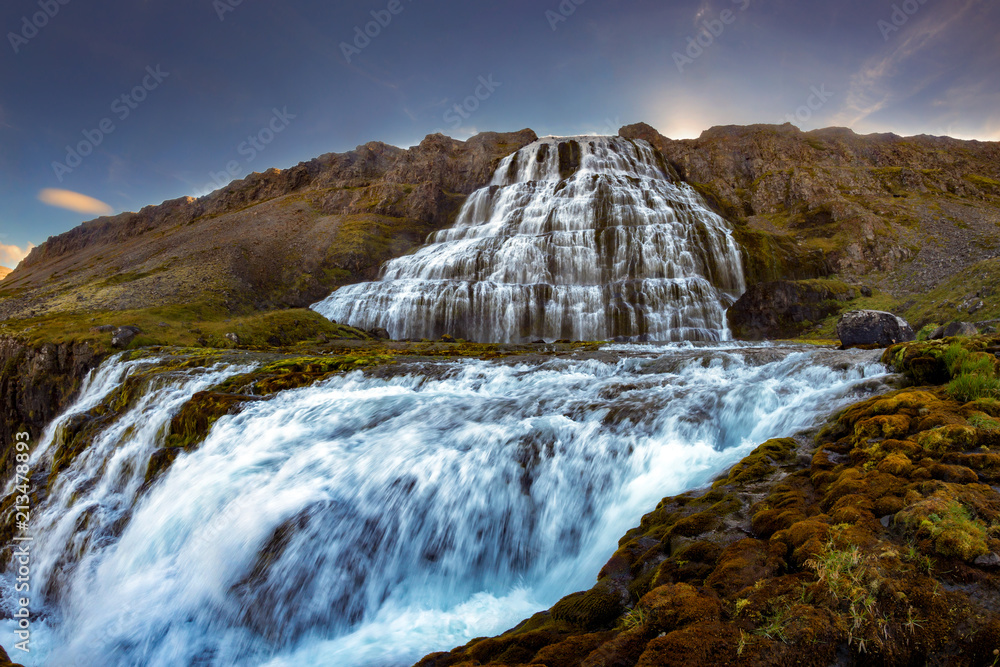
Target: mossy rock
(760,463)
(947,525)
(593,609)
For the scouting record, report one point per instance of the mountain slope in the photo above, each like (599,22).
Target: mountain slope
(273,240)
(902,214)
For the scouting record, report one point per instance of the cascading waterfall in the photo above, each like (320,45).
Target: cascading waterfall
(583,238)
(339,525)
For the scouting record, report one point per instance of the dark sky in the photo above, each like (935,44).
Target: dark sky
(212,73)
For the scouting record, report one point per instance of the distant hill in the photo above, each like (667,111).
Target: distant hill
(4,272)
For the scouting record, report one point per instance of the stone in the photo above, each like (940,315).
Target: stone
(447,339)
(380,333)
(989,560)
(957,328)
(873,328)
(233,338)
(124,335)
(104,328)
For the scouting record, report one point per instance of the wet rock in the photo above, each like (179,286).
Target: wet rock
(873,327)
(380,333)
(124,335)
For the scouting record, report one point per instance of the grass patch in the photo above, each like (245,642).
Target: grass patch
(984,423)
(949,527)
(193,325)
(973,374)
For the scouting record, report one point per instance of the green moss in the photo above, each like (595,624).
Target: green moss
(948,525)
(593,609)
(761,462)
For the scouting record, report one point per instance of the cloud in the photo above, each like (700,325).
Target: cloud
(74,201)
(877,84)
(10,255)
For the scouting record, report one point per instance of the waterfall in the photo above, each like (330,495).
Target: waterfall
(339,525)
(583,238)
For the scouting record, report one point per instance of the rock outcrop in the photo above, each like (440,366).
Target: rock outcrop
(36,384)
(873,328)
(916,210)
(785,309)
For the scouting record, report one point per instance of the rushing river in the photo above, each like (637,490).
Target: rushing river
(367,521)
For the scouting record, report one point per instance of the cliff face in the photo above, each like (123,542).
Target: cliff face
(273,240)
(904,213)
(36,384)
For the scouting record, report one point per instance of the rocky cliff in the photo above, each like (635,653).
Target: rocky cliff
(903,214)
(36,384)
(273,240)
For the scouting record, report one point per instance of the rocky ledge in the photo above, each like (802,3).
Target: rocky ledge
(876,542)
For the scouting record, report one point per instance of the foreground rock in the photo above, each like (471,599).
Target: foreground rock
(875,544)
(873,328)
(784,309)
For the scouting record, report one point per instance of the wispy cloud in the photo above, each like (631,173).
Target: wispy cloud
(877,84)
(74,201)
(10,255)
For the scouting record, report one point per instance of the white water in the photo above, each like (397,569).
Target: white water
(582,238)
(414,513)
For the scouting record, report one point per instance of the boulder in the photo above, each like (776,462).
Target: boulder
(124,335)
(379,333)
(873,328)
(233,338)
(957,328)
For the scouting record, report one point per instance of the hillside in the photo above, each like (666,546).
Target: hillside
(273,240)
(902,214)
(4,272)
